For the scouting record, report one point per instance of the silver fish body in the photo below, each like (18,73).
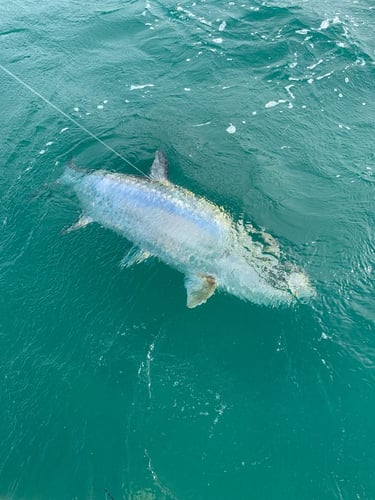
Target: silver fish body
(187,232)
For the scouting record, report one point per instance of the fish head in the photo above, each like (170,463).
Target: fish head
(257,275)
(279,277)
(291,283)
(299,286)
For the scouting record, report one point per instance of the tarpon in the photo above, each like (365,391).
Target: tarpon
(189,233)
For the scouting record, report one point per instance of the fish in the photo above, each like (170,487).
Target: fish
(188,233)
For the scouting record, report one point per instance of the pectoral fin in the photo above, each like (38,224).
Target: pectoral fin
(134,256)
(83,221)
(199,289)
(159,168)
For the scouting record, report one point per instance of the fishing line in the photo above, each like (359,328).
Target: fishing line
(28,87)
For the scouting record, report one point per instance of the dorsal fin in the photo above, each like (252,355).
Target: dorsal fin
(159,168)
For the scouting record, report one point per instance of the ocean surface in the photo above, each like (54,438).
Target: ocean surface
(110,387)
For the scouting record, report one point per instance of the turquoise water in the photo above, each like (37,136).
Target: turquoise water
(110,387)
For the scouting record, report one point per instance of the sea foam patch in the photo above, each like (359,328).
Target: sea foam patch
(231,129)
(137,87)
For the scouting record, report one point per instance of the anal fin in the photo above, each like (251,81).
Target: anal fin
(83,221)
(199,289)
(134,256)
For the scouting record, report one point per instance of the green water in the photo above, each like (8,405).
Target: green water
(110,387)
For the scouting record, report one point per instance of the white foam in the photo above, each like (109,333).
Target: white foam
(202,124)
(136,87)
(193,16)
(64,130)
(254,113)
(49,143)
(231,129)
(324,76)
(105,101)
(100,106)
(222,26)
(187,89)
(272,104)
(315,65)
(287,88)
(42,151)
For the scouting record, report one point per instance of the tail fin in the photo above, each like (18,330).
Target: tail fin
(72,173)
(75,167)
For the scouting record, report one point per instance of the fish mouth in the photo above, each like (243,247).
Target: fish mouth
(300,287)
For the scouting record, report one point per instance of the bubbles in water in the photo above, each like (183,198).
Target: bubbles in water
(272,104)
(137,87)
(231,129)
(222,26)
